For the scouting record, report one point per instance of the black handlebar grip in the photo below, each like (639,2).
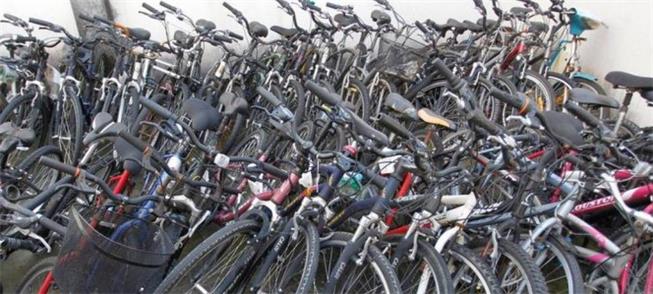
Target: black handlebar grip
(582,114)
(220,38)
(86,18)
(268,96)
(275,171)
(233,10)
(52,225)
(313,7)
(58,165)
(41,22)
(374,178)
(150,8)
(446,72)
(23,39)
(479,119)
(12,17)
(236,36)
(382,2)
(522,106)
(168,6)
(421,27)
(579,163)
(394,126)
(133,140)
(103,20)
(334,6)
(156,108)
(323,93)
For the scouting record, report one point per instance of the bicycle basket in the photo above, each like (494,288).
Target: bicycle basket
(401,56)
(91,262)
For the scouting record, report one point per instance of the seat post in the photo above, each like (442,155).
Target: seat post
(623,110)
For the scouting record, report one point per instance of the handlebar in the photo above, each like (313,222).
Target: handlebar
(479,119)
(150,8)
(268,96)
(167,6)
(454,81)
(323,93)
(524,106)
(42,22)
(233,10)
(235,35)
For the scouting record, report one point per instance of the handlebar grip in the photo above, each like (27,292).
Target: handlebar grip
(313,7)
(323,93)
(421,27)
(233,10)
(394,126)
(168,6)
(268,96)
(156,108)
(334,6)
(479,119)
(133,140)
(505,97)
(23,39)
(150,8)
(41,22)
(275,171)
(103,20)
(220,38)
(579,163)
(52,225)
(58,165)
(12,17)
(283,3)
(442,68)
(85,17)
(382,2)
(236,36)
(374,178)
(582,114)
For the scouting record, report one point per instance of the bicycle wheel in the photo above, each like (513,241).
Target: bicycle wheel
(515,269)
(375,275)
(627,130)
(562,273)
(23,114)
(356,94)
(204,267)
(291,264)
(67,127)
(427,272)
(35,276)
(37,176)
(536,88)
(469,273)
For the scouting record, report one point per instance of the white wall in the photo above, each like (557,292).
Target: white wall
(627,43)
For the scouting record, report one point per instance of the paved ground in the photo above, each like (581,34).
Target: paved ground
(15,267)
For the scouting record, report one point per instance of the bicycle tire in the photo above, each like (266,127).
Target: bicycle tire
(479,267)
(568,264)
(35,275)
(72,155)
(513,254)
(427,261)
(362,109)
(42,113)
(381,266)
(542,103)
(184,266)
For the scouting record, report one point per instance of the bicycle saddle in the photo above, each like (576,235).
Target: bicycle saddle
(139,34)
(344,20)
(643,85)
(129,155)
(182,39)
(456,26)
(520,12)
(565,128)
(473,27)
(586,96)
(233,104)
(488,22)
(24,136)
(430,117)
(203,26)
(537,27)
(203,116)
(258,30)
(380,17)
(284,32)
(401,105)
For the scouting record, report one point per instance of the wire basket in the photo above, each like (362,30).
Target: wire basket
(401,55)
(90,261)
